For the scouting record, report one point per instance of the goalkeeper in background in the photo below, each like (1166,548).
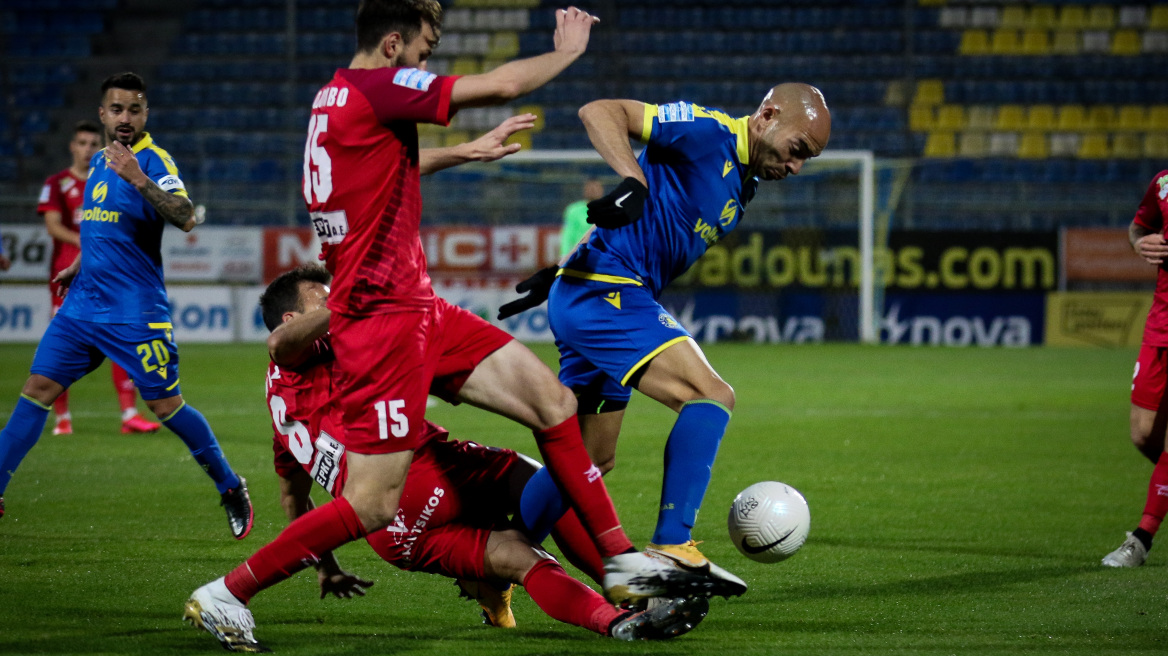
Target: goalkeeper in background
(690,186)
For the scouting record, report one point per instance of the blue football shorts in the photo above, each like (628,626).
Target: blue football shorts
(606,332)
(71,348)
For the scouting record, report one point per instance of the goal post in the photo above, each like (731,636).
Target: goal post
(533,186)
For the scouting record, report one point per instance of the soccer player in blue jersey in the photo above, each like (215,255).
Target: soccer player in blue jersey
(117,305)
(688,188)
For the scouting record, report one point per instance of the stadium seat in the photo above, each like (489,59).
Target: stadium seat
(984,17)
(974,42)
(1154,42)
(940,144)
(929,92)
(1096,41)
(1041,17)
(1010,117)
(1066,42)
(1158,18)
(1101,17)
(981,117)
(1126,42)
(1040,117)
(1101,117)
(1094,146)
(1012,17)
(973,144)
(1126,145)
(1072,118)
(1155,145)
(1133,16)
(1157,118)
(953,17)
(1132,118)
(1033,145)
(1004,144)
(921,118)
(1035,42)
(1065,144)
(951,117)
(1072,17)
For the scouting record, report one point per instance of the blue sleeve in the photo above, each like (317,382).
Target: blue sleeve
(675,127)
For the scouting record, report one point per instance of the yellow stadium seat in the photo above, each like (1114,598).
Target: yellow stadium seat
(1102,17)
(1072,17)
(921,118)
(504,45)
(973,144)
(1035,42)
(1126,42)
(1072,118)
(466,66)
(951,117)
(1041,17)
(1094,146)
(1127,145)
(974,42)
(940,144)
(1157,118)
(1158,19)
(1040,117)
(1013,17)
(455,137)
(929,92)
(1066,42)
(1005,42)
(1132,118)
(1033,146)
(1101,117)
(980,117)
(1010,117)
(1156,145)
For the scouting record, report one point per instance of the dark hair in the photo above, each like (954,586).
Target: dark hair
(129,81)
(283,294)
(86,126)
(377,18)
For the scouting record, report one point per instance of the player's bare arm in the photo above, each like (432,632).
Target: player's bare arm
(176,210)
(55,224)
(487,148)
(296,500)
(290,344)
(522,76)
(1148,244)
(610,124)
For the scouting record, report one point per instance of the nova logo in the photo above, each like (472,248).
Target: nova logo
(99,191)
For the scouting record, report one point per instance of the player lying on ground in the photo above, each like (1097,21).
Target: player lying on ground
(453,511)
(688,189)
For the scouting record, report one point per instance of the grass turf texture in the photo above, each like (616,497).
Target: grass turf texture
(961,501)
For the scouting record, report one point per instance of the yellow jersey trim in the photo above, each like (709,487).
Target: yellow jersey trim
(739,126)
(654,353)
(598,277)
(168,162)
(165,325)
(174,386)
(647,124)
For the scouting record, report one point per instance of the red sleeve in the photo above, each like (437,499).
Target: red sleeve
(404,94)
(51,199)
(1149,215)
(284,462)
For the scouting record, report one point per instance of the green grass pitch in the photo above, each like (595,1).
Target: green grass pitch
(960,499)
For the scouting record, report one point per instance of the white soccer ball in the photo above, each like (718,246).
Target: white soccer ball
(769,521)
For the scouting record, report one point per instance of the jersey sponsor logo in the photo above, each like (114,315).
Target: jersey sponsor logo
(729,211)
(171,183)
(613,299)
(413,78)
(727,167)
(45,192)
(675,112)
(423,519)
(331,227)
(99,192)
(103,216)
(1163,182)
(327,464)
(708,233)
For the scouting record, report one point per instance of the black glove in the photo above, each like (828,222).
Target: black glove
(536,288)
(619,208)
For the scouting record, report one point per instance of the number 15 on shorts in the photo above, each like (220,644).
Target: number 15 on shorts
(391,411)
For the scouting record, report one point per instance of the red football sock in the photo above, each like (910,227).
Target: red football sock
(579,480)
(61,405)
(127,393)
(1157,505)
(565,599)
(322,529)
(578,547)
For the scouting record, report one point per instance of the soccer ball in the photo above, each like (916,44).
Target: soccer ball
(769,521)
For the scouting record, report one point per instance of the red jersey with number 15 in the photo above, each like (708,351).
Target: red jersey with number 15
(362,184)
(65,193)
(1150,215)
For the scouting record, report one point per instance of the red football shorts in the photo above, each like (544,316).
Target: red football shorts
(1149,377)
(456,493)
(387,363)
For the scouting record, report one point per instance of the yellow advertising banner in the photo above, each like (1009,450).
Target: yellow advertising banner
(1096,318)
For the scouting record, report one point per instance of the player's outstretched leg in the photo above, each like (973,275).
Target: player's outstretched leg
(662,621)
(215,610)
(18,437)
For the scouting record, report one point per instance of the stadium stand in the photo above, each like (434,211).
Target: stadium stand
(960,88)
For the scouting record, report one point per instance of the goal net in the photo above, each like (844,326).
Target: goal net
(799,267)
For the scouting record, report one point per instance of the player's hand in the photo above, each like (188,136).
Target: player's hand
(1153,248)
(491,146)
(342,584)
(123,162)
(573,27)
(620,207)
(65,276)
(536,287)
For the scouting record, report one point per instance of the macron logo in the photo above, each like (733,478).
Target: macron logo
(413,78)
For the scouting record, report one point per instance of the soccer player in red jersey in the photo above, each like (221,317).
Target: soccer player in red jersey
(1149,412)
(454,508)
(59,204)
(390,331)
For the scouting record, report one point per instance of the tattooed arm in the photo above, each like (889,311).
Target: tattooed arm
(176,210)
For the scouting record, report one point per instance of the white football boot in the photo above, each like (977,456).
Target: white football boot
(1129,554)
(665,619)
(215,610)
